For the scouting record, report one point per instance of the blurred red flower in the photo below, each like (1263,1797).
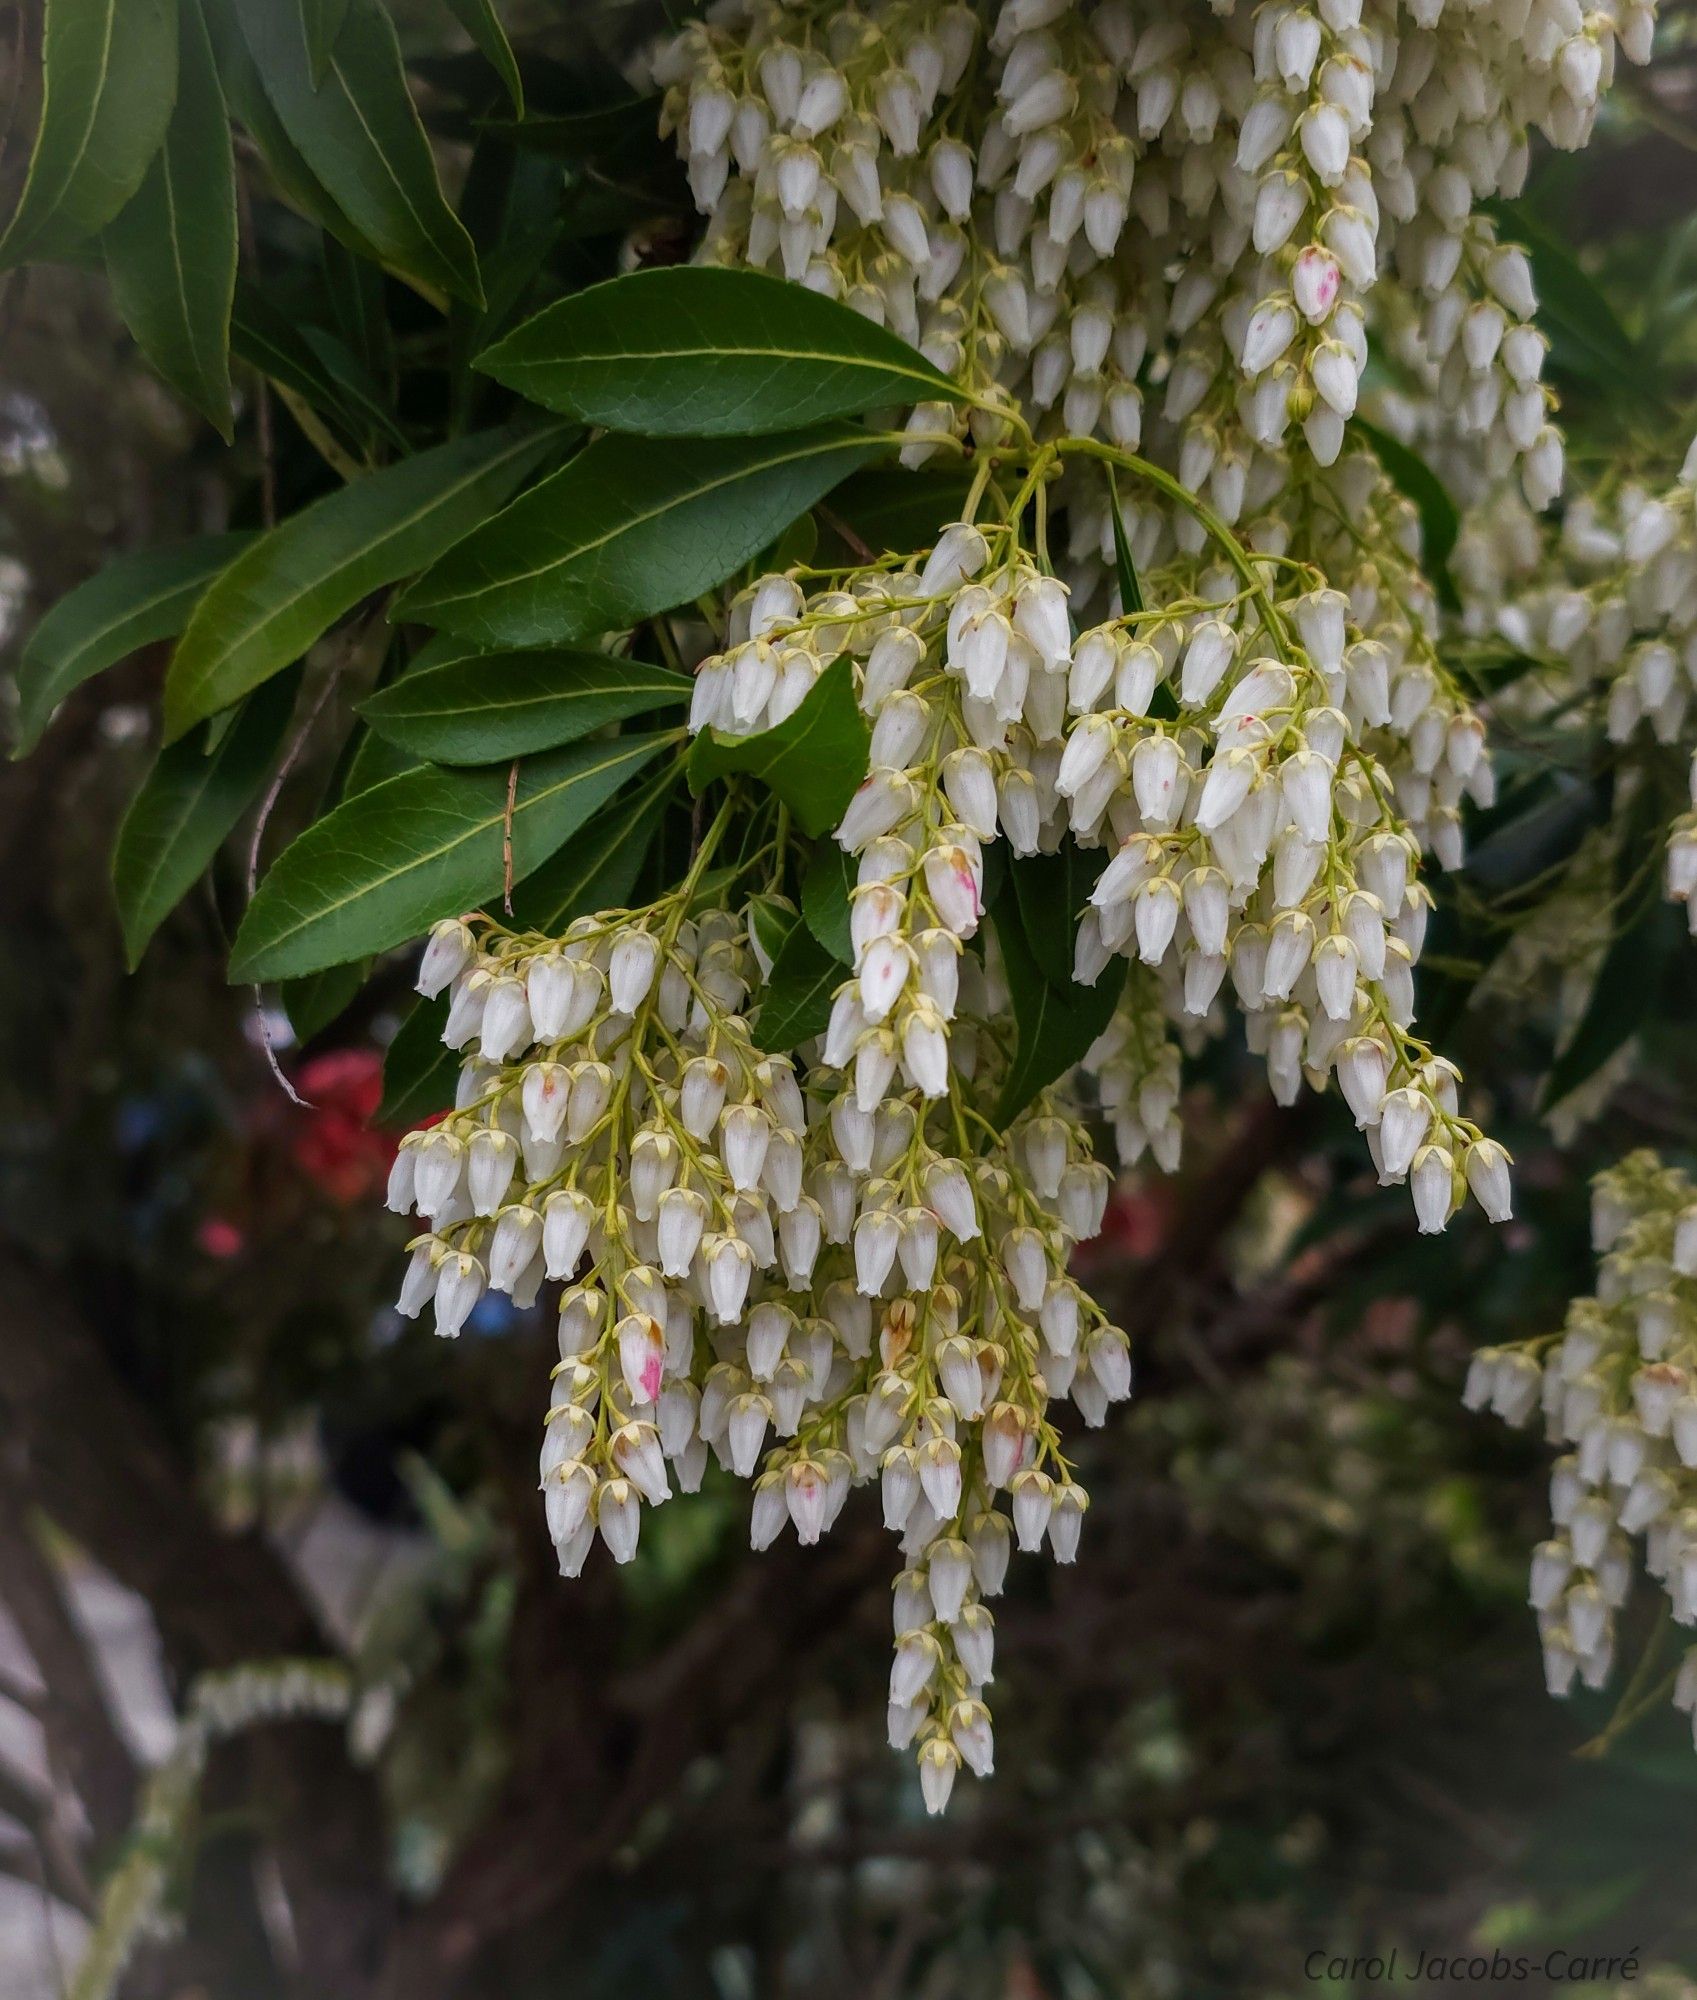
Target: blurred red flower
(335,1144)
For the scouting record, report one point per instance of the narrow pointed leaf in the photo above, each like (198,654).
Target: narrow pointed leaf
(1052,891)
(360,135)
(317,999)
(597,868)
(297,580)
(505,705)
(171,252)
(109,74)
(697,351)
(630,527)
(814,760)
(132,602)
(186,807)
(1053,1026)
(1439,522)
(483,24)
(322,20)
(384,866)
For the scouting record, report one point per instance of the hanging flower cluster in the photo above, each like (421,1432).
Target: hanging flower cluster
(1612,598)
(1088,204)
(1213,747)
(821,1279)
(1618,1389)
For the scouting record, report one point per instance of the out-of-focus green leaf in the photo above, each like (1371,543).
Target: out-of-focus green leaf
(483,24)
(132,602)
(171,250)
(597,868)
(1053,1024)
(1052,891)
(109,78)
(360,135)
(1416,481)
(419,1070)
(795,1004)
(295,581)
(186,807)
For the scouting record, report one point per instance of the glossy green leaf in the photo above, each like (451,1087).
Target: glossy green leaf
(1439,521)
(171,252)
(297,580)
(814,760)
(483,24)
(505,705)
(384,866)
(605,134)
(630,527)
(1131,590)
(826,892)
(360,135)
(312,366)
(134,601)
(109,75)
(419,1069)
(314,1001)
(893,511)
(693,350)
(1052,892)
(1053,1025)
(597,868)
(186,807)
(795,1004)
(322,20)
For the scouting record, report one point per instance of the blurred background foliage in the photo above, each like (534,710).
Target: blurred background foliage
(1288,1701)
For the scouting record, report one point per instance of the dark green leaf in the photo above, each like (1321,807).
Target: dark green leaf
(695,350)
(374,758)
(319,998)
(1628,986)
(322,20)
(630,527)
(483,24)
(360,135)
(609,131)
(132,602)
(504,705)
(186,807)
(333,385)
(1131,591)
(109,75)
(297,580)
(1587,340)
(597,868)
(1052,891)
(171,251)
(825,893)
(814,760)
(384,866)
(893,511)
(419,1070)
(796,1002)
(1416,481)
(1053,1025)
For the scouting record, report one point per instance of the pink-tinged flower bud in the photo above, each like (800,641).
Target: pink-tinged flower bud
(450,950)
(884,971)
(952,880)
(459,1286)
(807,1496)
(642,1355)
(1271,329)
(544,1095)
(1314,282)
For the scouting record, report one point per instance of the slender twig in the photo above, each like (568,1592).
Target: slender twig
(850,540)
(507,839)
